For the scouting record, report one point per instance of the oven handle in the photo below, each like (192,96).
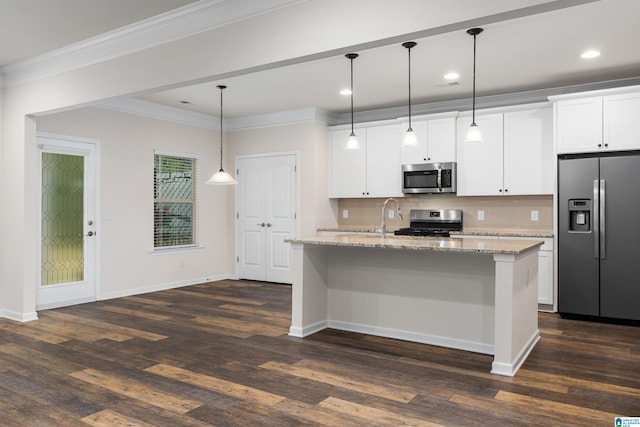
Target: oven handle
(440,178)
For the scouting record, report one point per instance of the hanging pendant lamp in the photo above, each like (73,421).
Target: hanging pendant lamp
(474,134)
(410,138)
(221,177)
(352,141)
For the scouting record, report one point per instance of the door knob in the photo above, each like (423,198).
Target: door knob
(90,233)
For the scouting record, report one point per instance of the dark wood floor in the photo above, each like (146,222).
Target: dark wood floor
(219,354)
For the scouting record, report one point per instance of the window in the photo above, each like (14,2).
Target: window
(174,201)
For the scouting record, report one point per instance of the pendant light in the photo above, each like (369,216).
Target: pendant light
(474,134)
(352,141)
(410,138)
(221,177)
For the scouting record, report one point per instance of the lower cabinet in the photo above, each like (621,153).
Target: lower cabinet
(545,264)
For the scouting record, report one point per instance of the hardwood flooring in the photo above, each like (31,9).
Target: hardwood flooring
(219,354)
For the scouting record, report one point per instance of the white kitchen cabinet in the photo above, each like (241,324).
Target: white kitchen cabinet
(375,170)
(347,168)
(480,170)
(598,123)
(436,141)
(515,158)
(620,121)
(545,264)
(528,152)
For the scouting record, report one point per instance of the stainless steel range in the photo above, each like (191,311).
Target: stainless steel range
(427,222)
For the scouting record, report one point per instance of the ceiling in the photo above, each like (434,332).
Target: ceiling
(532,52)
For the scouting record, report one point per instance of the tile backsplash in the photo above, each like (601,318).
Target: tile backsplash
(501,213)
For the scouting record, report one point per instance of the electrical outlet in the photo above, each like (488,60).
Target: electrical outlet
(534,215)
(345,213)
(480,215)
(392,214)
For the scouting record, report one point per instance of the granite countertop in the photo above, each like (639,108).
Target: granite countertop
(481,246)
(505,233)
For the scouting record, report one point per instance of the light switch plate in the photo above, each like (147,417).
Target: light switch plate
(480,215)
(345,213)
(534,215)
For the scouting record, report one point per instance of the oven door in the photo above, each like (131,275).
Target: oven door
(429,178)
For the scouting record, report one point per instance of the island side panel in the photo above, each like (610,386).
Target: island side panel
(516,310)
(309,289)
(434,297)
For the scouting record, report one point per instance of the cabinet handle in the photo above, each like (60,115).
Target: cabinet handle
(606,145)
(506,189)
(500,190)
(599,145)
(428,158)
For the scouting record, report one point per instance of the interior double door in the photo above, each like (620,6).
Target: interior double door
(266,217)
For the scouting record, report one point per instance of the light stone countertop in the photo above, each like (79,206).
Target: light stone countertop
(505,233)
(481,246)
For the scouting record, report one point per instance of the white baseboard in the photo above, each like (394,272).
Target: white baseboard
(162,287)
(305,331)
(19,317)
(436,340)
(510,369)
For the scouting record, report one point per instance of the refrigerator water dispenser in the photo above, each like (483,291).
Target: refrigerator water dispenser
(580,215)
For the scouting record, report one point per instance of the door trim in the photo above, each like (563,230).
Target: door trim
(239,157)
(97,218)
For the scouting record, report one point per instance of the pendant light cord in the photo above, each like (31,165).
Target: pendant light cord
(474,79)
(410,89)
(221,89)
(351,59)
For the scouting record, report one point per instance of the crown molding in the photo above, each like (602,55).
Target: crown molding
(184,21)
(157,111)
(282,118)
(305,115)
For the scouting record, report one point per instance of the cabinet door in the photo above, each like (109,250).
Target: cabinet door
(545,277)
(416,153)
(441,140)
(621,113)
(528,152)
(347,167)
(579,125)
(384,162)
(480,168)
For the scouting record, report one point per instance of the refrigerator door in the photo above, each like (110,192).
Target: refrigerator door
(620,267)
(578,248)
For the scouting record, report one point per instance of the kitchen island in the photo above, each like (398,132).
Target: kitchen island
(469,294)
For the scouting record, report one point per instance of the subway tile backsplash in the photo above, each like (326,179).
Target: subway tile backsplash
(501,213)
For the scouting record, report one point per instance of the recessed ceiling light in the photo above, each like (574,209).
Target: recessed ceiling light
(451,75)
(345,92)
(588,54)
(186,102)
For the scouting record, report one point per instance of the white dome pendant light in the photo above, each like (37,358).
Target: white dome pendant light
(221,177)
(352,141)
(474,134)
(410,138)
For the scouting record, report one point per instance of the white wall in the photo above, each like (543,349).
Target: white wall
(310,140)
(127,144)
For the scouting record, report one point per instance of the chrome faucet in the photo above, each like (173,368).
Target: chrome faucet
(383,228)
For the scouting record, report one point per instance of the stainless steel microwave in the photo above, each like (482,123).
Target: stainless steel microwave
(429,178)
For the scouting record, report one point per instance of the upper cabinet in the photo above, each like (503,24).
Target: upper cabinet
(436,140)
(597,123)
(375,170)
(515,158)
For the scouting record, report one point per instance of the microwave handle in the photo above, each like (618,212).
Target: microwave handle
(440,178)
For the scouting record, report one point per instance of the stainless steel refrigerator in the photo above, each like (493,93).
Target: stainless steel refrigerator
(599,236)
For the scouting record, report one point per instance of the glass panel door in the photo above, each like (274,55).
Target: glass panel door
(68,182)
(62,258)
